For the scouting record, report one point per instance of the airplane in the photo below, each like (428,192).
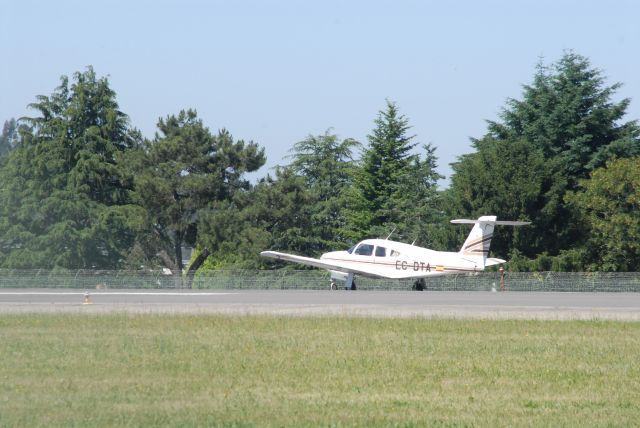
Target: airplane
(383,258)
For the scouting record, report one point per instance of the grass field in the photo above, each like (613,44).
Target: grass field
(132,370)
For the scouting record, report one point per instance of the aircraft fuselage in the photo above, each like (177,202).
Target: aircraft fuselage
(384,258)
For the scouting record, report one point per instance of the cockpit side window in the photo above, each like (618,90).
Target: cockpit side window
(381,252)
(364,250)
(394,253)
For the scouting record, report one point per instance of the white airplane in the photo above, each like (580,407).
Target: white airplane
(382,258)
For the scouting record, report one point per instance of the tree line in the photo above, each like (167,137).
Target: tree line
(81,188)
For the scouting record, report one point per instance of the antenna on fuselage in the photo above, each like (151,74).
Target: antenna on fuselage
(389,235)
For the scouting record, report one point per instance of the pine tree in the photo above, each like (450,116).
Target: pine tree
(65,198)
(393,186)
(564,126)
(326,165)
(180,174)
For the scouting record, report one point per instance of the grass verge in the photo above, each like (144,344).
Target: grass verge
(132,370)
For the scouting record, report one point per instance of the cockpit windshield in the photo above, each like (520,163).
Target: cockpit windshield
(350,250)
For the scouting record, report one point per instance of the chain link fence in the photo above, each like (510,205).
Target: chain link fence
(317,280)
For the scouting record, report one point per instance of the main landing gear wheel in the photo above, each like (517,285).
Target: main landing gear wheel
(333,286)
(419,284)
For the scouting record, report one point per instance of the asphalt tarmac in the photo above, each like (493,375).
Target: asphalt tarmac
(397,304)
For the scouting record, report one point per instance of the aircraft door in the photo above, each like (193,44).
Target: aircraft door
(380,254)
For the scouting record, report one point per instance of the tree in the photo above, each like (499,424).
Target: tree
(609,202)
(65,198)
(9,136)
(326,165)
(568,113)
(393,187)
(299,209)
(275,214)
(505,178)
(417,205)
(182,171)
(565,126)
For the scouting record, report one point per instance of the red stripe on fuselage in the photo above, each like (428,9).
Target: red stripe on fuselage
(409,265)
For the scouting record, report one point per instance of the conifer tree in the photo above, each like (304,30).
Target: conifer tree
(565,125)
(393,187)
(326,165)
(65,200)
(180,176)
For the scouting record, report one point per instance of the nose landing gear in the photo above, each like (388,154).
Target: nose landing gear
(347,278)
(334,286)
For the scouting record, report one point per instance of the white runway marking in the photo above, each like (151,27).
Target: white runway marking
(106,293)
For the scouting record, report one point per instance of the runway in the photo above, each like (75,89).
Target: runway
(400,304)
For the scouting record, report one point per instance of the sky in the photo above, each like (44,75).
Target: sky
(274,72)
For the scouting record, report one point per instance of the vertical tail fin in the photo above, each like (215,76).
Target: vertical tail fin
(479,240)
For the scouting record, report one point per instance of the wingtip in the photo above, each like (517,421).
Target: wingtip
(272,254)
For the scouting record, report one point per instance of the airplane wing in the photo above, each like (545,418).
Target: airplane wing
(309,261)
(348,267)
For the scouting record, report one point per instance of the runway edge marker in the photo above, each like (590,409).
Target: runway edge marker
(87,299)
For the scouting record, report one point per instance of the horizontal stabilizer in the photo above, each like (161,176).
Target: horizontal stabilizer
(492,222)
(492,262)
